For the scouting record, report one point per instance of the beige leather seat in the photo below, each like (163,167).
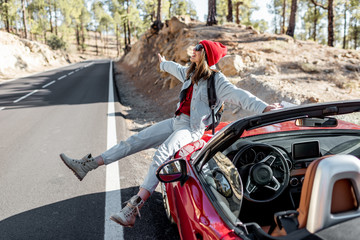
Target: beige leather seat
(330,193)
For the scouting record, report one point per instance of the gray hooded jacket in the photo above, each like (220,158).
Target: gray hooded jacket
(200,112)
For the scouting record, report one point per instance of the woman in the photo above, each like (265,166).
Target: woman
(191,118)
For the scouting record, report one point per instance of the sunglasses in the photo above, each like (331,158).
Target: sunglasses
(198,47)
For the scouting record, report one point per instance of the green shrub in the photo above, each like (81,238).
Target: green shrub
(56,43)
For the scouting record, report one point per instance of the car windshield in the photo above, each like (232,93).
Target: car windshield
(344,121)
(351,118)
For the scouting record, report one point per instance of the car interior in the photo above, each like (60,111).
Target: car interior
(306,180)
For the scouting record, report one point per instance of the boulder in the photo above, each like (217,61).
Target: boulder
(175,25)
(231,65)
(271,69)
(132,58)
(309,67)
(183,53)
(352,67)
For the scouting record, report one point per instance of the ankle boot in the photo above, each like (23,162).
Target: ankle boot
(80,167)
(127,215)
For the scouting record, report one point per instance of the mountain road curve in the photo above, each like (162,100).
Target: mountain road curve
(75,110)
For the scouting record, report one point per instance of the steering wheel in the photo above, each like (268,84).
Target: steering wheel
(264,171)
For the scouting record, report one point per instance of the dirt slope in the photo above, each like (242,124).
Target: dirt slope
(273,67)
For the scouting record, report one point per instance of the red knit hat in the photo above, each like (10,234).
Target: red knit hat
(214,51)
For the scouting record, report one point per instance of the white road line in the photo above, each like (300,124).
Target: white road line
(113,196)
(62,77)
(70,73)
(2,108)
(46,85)
(23,97)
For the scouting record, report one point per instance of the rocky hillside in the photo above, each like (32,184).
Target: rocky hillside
(273,67)
(20,57)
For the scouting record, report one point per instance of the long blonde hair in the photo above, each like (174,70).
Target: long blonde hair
(202,70)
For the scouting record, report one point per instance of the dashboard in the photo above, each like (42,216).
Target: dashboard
(298,149)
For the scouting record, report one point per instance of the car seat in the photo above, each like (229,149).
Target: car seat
(330,194)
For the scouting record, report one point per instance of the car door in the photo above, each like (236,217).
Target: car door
(208,201)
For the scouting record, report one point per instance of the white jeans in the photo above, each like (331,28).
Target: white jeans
(171,134)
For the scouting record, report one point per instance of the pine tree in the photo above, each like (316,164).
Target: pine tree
(330,10)
(283,17)
(354,23)
(23,10)
(229,17)
(158,14)
(211,19)
(292,21)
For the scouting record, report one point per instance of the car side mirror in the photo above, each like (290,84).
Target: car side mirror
(172,171)
(222,184)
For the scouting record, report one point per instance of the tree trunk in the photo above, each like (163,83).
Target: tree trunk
(82,38)
(237,12)
(211,19)
(283,18)
(330,9)
(158,14)
(275,18)
(96,43)
(356,34)
(45,39)
(56,20)
(331,23)
(291,29)
(315,23)
(118,44)
(105,39)
(229,17)
(129,32)
(128,43)
(23,9)
(125,34)
(170,6)
(50,19)
(7,19)
(344,39)
(77,37)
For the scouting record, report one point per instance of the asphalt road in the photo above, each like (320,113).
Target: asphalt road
(66,110)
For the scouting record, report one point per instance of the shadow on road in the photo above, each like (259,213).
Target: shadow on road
(83,218)
(86,86)
(76,218)
(153,223)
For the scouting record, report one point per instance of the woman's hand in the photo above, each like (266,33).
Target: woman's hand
(161,58)
(274,106)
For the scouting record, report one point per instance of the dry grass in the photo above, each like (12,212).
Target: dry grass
(344,82)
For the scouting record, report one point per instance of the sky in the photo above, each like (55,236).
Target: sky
(202,10)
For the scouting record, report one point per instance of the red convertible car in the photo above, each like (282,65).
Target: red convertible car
(292,173)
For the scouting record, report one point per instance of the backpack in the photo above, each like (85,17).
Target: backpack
(212,103)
